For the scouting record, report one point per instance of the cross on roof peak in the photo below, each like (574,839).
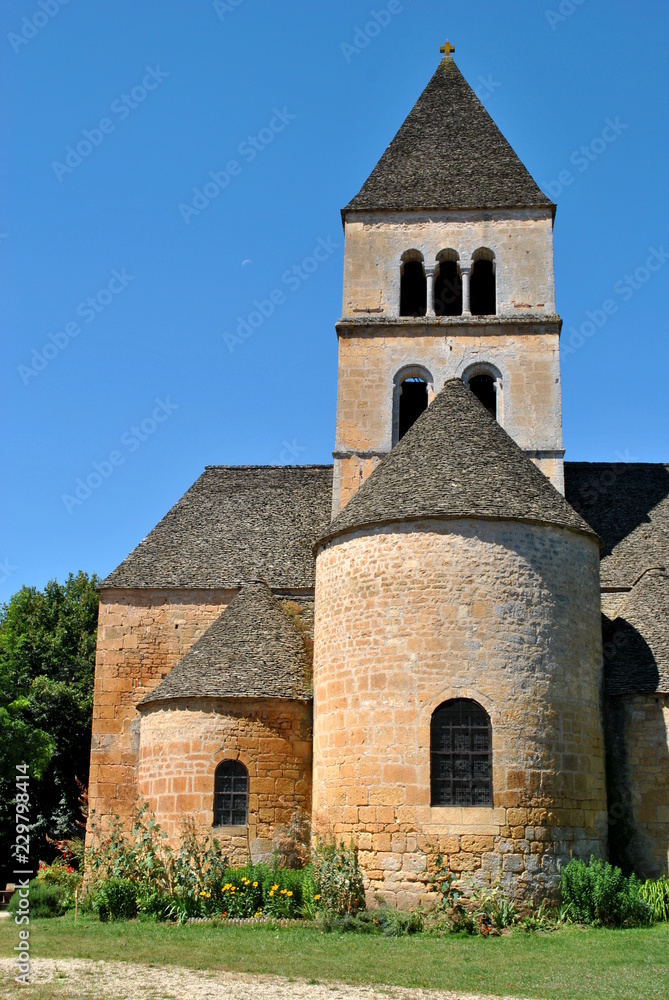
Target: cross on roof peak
(447,48)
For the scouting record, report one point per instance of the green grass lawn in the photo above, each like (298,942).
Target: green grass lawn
(572,963)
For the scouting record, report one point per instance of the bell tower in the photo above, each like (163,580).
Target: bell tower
(448,272)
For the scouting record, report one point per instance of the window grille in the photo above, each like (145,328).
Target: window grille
(461,755)
(231,794)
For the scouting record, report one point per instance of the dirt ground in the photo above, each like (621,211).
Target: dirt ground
(82,978)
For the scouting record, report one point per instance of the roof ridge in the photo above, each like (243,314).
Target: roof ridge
(662,570)
(310,465)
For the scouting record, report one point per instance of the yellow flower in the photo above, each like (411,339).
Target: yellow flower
(283,892)
(274,888)
(271,892)
(317,896)
(255,885)
(289,893)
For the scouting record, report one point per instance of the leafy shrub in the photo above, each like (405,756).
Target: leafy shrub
(384,920)
(545,917)
(196,881)
(292,843)
(310,897)
(337,876)
(152,903)
(283,893)
(655,892)
(453,912)
(116,899)
(63,876)
(238,894)
(194,875)
(45,900)
(599,894)
(142,855)
(493,910)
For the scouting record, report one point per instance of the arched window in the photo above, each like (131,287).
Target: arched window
(448,285)
(483,387)
(482,290)
(412,402)
(485,381)
(413,285)
(461,754)
(231,794)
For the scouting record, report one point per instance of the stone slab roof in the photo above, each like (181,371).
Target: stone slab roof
(456,461)
(448,154)
(627,504)
(236,523)
(252,650)
(636,641)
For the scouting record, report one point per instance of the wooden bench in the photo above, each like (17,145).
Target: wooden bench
(7,893)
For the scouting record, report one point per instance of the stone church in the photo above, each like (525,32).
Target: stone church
(448,638)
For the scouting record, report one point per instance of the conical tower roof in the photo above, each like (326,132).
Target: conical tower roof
(253,650)
(448,154)
(456,462)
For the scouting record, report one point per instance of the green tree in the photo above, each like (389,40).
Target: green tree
(47,663)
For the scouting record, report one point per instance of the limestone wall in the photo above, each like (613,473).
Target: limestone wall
(521,240)
(638,771)
(142,634)
(526,356)
(504,613)
(182,743)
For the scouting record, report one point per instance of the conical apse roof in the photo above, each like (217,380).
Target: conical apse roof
(253,650)
(448,154)
(456,462)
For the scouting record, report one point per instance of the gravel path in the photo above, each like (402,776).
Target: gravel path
(82,978)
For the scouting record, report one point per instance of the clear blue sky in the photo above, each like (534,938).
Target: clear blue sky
(165,289)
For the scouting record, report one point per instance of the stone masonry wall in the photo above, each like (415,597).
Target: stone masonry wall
(142,634)
(521,342)
(182,744)
(370,356)
(638,770)
(521,240)
(503,613)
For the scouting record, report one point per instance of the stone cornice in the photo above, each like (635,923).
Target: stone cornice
(444,326)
